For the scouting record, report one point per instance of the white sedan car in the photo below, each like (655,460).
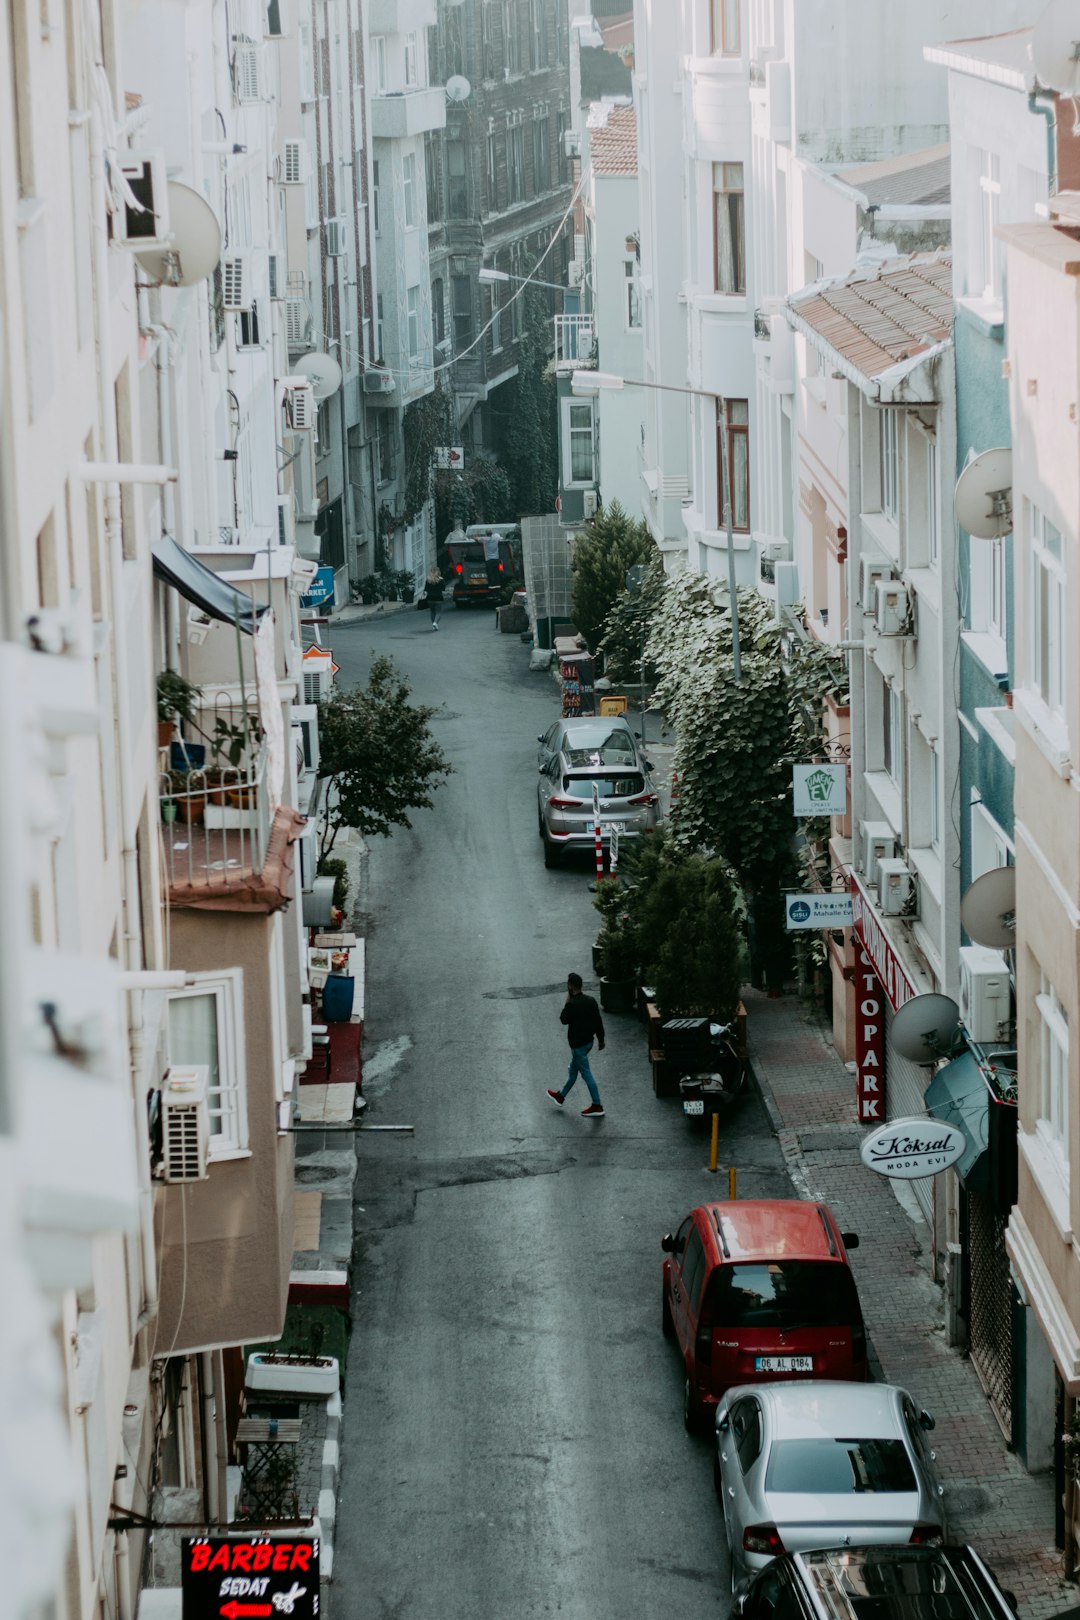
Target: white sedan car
(819,1464)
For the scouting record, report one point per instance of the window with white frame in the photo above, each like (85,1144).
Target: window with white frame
(1053,1121)
(933,491)
(989,846)
(724,21)
(892,734)
(889,464)
(729,229)
(1046,619)
(378,55)
(411,59)
(412,315)
(206,1025)
(579,446)
(408,188)
(633,294)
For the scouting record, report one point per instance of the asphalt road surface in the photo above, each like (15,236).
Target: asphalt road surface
(513,1442)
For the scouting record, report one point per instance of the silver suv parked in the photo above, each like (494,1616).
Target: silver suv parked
(565,800)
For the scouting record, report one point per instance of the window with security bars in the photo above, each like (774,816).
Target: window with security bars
(729,228)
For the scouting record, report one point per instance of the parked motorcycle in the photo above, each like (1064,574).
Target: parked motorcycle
(727,1077)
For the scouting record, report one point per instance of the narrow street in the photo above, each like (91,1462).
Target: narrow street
(513,1438)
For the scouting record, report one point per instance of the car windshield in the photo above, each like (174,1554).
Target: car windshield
(784,1294)
(837,1467)
(584,748)
(613,786)
(900,1587)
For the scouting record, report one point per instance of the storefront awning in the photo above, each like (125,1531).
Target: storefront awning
(958,1095)
(199,584)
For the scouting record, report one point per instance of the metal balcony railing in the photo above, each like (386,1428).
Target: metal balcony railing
(215,824)
(575,342)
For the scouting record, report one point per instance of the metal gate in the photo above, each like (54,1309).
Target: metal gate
(990,1315)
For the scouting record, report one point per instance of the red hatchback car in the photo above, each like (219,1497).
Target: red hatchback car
(760,1290)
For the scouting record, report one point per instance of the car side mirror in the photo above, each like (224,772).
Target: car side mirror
(648,764)
(926,1420)
(850,1240)
(540,738)
(667,1243)
(723,1424)
(1010,1598)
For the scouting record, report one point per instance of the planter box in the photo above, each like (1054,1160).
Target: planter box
(618,995)
(292,1376)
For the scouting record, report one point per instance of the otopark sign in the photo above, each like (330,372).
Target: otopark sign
(911,1149)
(249,1578)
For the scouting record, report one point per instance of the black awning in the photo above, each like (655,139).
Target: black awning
(199,584)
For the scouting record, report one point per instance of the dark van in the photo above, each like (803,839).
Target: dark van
(483,562)
(760,1290)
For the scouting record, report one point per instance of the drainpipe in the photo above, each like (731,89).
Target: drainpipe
(122,1577)
(211,1504)
(1046,107)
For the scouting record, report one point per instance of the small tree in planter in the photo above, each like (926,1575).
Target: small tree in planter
(177,699)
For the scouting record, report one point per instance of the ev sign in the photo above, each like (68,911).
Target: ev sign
(249,1578)
(869,1040)
(820,790)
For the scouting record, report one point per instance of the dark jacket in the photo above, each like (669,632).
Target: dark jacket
(582,1018)
(433,590)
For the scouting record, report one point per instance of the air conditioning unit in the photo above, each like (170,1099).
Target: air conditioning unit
(588,503)
(305,719)
(300,405)
(896,889)
(317,684)
(276,270)
(873,570)
(786,580)
(985,993)
(247,73)
(378,382)
(185,1123)
(878,844)
(297,322)
(236,281)
(894,613)
(294,163)
(145,222)
(337,241)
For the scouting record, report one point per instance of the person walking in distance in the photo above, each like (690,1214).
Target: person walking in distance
(582,1018)
(433,593)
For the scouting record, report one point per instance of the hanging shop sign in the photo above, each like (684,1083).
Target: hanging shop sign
(820,790)
(320,590)
(895,979)
(817,910)
(911,1149)
(450,457)
(869,1040)
(261,1577)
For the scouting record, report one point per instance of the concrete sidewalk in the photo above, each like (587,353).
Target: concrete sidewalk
(992,1502)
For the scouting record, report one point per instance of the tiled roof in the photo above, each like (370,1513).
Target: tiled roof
(921,178)
(875,319)
(613,144)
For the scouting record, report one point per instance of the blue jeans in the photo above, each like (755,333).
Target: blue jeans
(579,1064)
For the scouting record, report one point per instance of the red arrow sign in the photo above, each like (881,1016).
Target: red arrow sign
(234,1610)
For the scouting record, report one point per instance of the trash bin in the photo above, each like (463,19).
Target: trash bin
(337,998)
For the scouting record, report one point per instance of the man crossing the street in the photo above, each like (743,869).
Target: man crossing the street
(583,1023)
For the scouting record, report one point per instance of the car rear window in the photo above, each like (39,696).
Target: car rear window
(617,785)
(895,1584)
(784,1294)
(605,751)
(839,1467)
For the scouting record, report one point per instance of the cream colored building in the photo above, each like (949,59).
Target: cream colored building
(1043,276)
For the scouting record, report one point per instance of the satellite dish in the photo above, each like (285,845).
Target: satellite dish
(988,910)
(458,88)
(194,248)
(924,1028)
(324,372)
(1055,47)
(983,497)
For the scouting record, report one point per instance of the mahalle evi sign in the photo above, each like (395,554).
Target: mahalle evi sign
(249,1578)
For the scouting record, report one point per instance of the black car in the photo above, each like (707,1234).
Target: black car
(876,1583)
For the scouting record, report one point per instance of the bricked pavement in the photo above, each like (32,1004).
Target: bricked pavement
(1006,1513)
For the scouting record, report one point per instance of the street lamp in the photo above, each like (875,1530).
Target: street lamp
(588,384)
(488,272)
(635,584)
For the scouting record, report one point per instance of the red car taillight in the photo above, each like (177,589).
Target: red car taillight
(643,798)
(762,1538)
(926,1535)
(459,568)
(564,804)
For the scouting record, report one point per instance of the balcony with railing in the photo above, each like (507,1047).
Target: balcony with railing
(575,342)
(215,826)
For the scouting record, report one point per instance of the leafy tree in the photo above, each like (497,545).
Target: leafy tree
(607,546)
(528,442)
(377,750)
(627,626)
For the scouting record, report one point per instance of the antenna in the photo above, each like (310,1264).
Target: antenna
(1055,47)
(988,910)
(458,88)
(983,497)
(323,371)
(925,1028)
(193,250)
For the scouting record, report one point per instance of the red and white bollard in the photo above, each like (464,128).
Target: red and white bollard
(613,850)
(599,849)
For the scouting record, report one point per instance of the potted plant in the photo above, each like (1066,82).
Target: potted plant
(232,745)
(617,950)
(189,788)
(404,585)
(177,699)
(367,589)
